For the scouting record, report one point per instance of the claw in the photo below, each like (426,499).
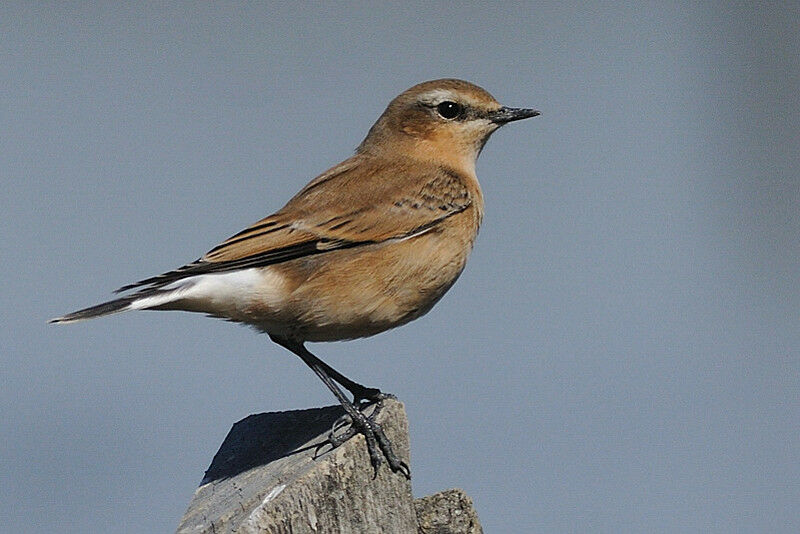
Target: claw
(395,463)
(366,394)
(335,440)
(376,397)
(340,423)
(320,445)
(378,445)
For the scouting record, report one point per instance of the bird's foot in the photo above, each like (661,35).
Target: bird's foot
(368,396)
(378,445)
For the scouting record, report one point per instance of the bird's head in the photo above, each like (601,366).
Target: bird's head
(441,120)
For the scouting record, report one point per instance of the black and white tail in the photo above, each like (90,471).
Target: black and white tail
(220,294)
(142,300)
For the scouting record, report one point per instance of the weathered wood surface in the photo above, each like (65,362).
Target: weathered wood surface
(447,512)
(266,478)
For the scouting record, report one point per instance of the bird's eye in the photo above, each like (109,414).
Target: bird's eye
(449,110)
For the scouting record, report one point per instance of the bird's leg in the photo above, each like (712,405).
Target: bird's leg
(378,444)
(373,396)
(359,391)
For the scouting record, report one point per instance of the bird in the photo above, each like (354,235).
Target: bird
(368,245)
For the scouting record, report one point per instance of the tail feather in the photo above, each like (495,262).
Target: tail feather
(138,301)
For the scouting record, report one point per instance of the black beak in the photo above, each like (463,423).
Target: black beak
(504,114)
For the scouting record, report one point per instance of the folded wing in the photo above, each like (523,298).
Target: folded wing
(357,203)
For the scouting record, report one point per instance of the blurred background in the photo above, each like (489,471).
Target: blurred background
(621,353)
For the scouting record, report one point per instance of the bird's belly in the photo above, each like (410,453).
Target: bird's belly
(362,291)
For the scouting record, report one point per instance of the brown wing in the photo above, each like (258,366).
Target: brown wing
(357,203)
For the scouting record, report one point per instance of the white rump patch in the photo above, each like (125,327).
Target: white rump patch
(221,294)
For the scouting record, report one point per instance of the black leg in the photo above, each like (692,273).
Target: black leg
(378,444)
(359,392)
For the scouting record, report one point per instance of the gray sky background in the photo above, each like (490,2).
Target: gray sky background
(621,353)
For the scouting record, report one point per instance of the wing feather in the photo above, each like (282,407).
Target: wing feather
(355,204)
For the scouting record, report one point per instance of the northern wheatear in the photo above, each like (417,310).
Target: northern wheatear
(370,244)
